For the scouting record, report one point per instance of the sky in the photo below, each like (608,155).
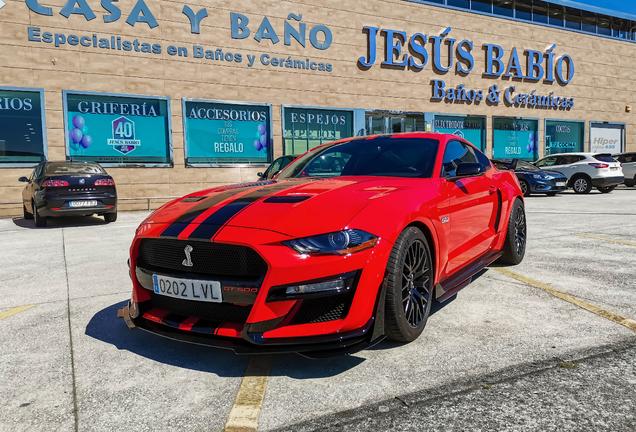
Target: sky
(627,6)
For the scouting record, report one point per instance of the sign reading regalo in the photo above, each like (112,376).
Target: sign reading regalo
(413,52)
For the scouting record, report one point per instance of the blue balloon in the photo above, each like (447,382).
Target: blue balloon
(76,135)
(262,129)
(85,130)
(263,140)
(78,121)
(257,145)
(86,141)
(74,146)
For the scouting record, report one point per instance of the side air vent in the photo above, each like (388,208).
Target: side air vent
(287,199)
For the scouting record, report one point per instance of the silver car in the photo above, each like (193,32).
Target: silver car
(629,167)
(585,170)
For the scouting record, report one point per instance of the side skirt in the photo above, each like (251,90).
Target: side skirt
(454,283)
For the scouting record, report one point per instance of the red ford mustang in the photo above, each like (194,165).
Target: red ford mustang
(351,243)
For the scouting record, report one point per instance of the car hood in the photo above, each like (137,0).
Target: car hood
(295,207)
(542,171)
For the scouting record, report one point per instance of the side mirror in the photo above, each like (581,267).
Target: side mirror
(467,170)
(23,179)
(259,174)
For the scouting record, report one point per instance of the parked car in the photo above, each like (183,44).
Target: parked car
(57,189)
(533,179)
(585,170)
(326,260)
(276,167)
(629,167)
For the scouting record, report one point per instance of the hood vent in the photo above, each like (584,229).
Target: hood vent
(287,199)
(193,199)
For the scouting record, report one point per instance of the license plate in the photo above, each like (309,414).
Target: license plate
(90,203)
(560,183)
(614,168)
(187,289)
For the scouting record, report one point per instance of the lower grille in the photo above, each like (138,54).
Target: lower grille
(323,309)
(220,312)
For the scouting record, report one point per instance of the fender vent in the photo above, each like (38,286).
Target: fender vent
(498,218)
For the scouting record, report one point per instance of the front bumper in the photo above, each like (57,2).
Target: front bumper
(272,325)
(608,181)
(544,186)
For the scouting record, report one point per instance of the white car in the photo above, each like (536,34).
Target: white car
(629,167)
(586,170)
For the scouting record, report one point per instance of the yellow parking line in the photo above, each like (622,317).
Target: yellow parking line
(630,324)
(247,405)
(606,239)
(14,311)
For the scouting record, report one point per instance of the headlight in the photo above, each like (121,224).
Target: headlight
(542,176)
(339,243)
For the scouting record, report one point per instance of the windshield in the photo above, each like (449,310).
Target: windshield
(383,156)
(73,168)
(525,165)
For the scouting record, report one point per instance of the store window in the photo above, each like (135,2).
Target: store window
(386,122)
(515,138)
(607,137)
(306,128)
(564,137)
(471,128)
(22,127)
(221,133)
(118,130)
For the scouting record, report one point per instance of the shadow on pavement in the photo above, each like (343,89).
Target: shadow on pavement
(61,222)
(106,327)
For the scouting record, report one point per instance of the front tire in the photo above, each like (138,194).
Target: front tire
(40,221)
(516,235)
(110,217)
(409,286)
(525,188)
(606,189)
(27,215)
(582,185)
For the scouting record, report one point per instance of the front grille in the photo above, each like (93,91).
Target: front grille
(220,312)
(323,309)
(218,259)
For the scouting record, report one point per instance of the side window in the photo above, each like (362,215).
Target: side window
(273,167)
(630,158)
(549,161)
(563,160)
(457,153)
(483,159)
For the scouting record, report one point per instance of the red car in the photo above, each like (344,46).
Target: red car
(349,244)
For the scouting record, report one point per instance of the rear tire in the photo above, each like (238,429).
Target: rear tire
(409,284)
(607,189)
(40,221)
(582,185)
(525,188)
(110,217)
(27,215)
(516,235)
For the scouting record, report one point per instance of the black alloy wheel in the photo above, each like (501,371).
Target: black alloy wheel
(409,286)
(514,248)
(525,188)
(26,214)
(37,219)
(520,231)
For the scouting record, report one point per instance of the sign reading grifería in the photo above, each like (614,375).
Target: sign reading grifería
(117,130)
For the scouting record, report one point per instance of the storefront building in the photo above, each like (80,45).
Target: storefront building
(172,98)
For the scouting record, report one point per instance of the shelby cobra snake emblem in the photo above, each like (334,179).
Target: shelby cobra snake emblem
(187,262)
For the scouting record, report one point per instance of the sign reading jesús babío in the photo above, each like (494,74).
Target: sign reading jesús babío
(22,140)
(402,50)
(118,130)
(218,133)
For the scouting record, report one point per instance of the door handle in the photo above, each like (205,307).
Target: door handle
(492,190)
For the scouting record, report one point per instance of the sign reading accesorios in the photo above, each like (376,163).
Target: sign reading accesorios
(218,133)
(22,137)
(118,130)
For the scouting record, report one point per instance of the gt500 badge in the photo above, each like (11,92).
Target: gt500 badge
(445,219)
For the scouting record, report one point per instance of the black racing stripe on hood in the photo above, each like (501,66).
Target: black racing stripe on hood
(209,227)
(178,225)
